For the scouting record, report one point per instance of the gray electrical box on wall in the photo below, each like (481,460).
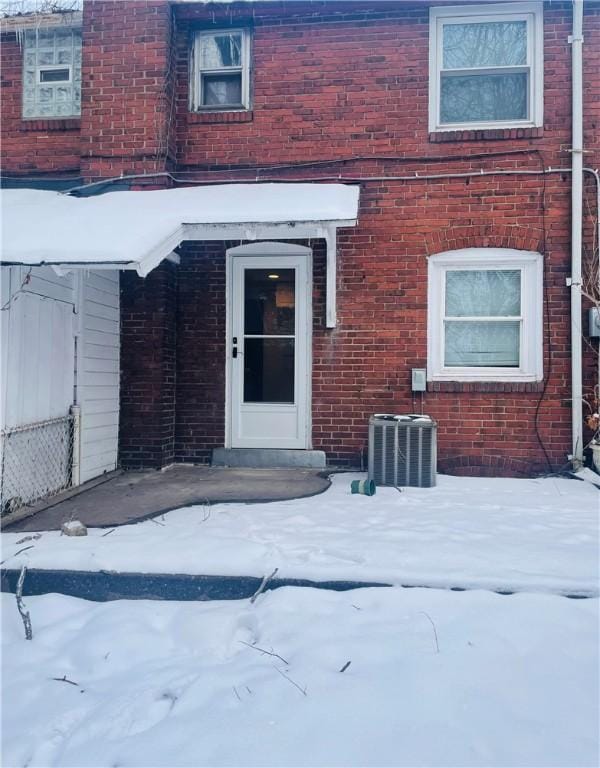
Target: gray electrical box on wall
(419,380)
(594,322)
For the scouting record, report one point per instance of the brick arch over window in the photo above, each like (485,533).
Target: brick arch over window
(513,236)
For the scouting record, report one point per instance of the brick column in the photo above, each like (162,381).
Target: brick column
(148,336)
(128,88)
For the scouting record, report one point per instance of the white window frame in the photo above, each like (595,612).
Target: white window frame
(531,267)
(532,13)
(196,73)
(50,68)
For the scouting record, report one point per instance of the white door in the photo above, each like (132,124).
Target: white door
(269,347)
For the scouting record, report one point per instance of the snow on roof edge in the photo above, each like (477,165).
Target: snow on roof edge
(114,228)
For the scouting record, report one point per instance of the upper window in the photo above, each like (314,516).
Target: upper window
(485,315)
(221,71)
(52,73)
(486,66)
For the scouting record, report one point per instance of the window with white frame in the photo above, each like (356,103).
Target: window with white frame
(52,73)
(486,66)
(485,315)
(221,70)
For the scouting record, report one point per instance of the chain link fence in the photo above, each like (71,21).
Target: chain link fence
(36,461)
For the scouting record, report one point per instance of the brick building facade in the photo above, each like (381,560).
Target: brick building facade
(337,92)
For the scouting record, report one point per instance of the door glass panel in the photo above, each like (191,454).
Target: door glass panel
(270,302)
(269,370)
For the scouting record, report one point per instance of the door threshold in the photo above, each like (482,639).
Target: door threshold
(272,458)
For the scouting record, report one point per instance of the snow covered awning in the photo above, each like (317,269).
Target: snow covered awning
(138,230)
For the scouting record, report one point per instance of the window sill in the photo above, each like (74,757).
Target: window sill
(485,386)
(51,124)
(486,134)
(232,116)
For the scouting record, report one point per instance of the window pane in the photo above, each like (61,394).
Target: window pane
(482,344)
(269,370)
(219,90)
(485,44)
(269,304)
(221,51)
(54,75)
(480,98)
(483,293)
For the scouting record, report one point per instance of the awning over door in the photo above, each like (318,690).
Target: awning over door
(138,230)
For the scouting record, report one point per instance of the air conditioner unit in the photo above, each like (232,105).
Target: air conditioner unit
(403,450)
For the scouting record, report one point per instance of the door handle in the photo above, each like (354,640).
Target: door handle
(234,351)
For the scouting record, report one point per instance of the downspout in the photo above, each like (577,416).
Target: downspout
(576,41)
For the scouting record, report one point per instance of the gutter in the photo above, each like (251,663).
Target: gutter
(576,40)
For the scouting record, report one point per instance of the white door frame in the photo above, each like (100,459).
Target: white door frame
(270,249)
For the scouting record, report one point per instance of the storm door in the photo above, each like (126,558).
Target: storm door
(269,351)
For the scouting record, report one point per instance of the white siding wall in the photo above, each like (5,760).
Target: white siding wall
(38,356)
(37,345)
(98,372)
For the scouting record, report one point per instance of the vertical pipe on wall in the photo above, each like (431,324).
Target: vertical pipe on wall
(331,278)
(76,463)
(576,41)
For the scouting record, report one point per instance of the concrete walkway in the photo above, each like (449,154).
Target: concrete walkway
(133,496)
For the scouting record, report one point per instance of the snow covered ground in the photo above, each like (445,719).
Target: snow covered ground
(514,682)
(539,534)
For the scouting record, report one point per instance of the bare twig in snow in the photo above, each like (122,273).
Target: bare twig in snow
(205,510)
(248,689)
(170,697)
(236,693)
(18,553)
(21,607)
(268,653)
(64,679)
(107,532)
(156,522)
(437,645)
(345,667)
(263,585)
(35,537)
(289,679)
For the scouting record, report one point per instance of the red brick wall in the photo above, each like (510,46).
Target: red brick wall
(126,88)
(336,81)
(148,370)
(339,89)
(28,146)
(200,420)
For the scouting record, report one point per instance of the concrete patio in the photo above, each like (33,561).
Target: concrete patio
(129,497)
